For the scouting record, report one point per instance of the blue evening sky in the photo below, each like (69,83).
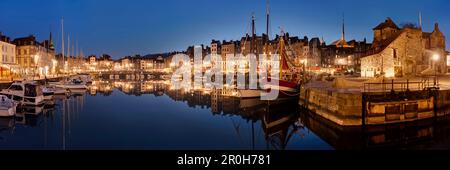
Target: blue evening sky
(128,27)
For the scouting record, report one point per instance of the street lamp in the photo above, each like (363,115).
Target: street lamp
(36,60)
(435,58)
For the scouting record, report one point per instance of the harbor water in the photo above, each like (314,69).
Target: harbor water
(124,114)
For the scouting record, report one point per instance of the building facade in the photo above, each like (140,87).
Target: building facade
(8,57)
(34,58)
(399,52)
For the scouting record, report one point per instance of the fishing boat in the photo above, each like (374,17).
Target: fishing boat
(7,106)
(251,93)
(288,79)
(25,92)
(248,93)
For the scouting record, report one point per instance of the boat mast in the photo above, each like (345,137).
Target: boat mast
(68,52)
(252,49)
(281,53)
(267,30)
(267,19)
(62,42)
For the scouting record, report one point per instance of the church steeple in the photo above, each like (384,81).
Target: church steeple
(342,43)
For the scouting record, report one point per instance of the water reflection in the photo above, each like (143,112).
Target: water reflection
(124,114)
(32,123)
(425,134)
(278,120)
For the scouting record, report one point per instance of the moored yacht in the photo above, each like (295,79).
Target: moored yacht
(85,78)
(48,93)
(71,83)
(7,106)
(25,92)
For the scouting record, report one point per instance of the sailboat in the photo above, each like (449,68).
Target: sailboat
(252,93)
(68,83)
(288,85)
(288,79)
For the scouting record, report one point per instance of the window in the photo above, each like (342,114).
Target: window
(15,87)
(394,53)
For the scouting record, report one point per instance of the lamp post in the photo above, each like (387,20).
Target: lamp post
(435,58)
(36,60)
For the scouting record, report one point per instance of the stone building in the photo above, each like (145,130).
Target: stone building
(359,51)
(252,44)
(314,55)
(92,59)
(228,47)
(398,52)
(215,47)
(34,58)
(448,61)
(8,57)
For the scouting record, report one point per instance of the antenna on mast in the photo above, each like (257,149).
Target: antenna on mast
(252,42)
(267,19)
(343,26)
(420,20)
(68,52)
(62,42)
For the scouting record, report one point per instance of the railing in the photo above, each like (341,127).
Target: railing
(391,85)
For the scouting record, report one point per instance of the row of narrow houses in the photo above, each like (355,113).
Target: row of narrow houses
(26,56)
(394,52)
(313,54)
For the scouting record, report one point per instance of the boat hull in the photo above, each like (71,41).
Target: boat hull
(249,93)
(48,95)
(286,89)
(7,111)
(70,86)
(25,100)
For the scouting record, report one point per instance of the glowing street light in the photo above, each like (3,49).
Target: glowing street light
(435,58)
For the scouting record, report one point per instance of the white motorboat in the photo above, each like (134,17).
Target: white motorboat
(25,92)
(71,84)
(48,93)
(53,90)
(7,106)
(85,78)
(32,110)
